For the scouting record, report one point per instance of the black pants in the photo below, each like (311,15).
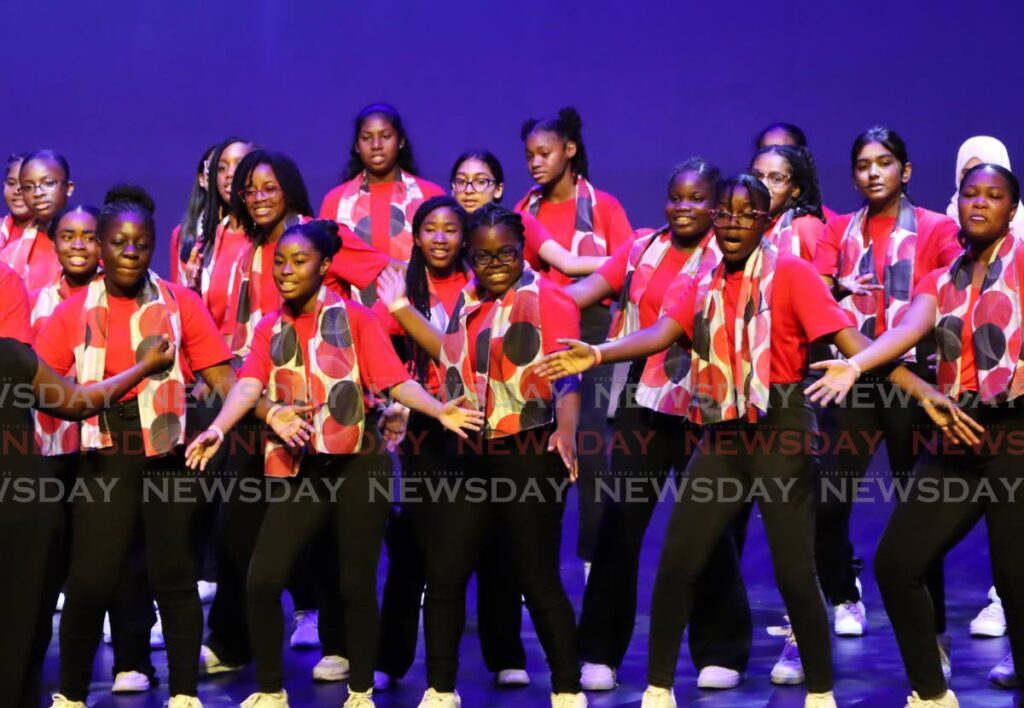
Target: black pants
(131,614)
(531,525)
(595,390)
(874,411)
(125,487)
(346,509)
(499,604)
(722,475)
(31,531)
(647,448)
(954,488)
(242,506)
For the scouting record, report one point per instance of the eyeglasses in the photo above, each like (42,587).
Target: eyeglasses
(775,179)
(251,194)
(46,186)
(745,220)
(479,184)
(505,256)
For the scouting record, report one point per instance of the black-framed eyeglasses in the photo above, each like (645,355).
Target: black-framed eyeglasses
(251,194)
(774,179)
(479,184)
(46,186)
(506,255)
(721,217)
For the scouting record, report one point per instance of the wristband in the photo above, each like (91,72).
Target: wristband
(399,304)
(218,432)
(270,414)
(597,354)
(855,366)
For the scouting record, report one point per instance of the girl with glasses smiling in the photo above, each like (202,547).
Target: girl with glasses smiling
(511,317)
(44,181)
(797,222)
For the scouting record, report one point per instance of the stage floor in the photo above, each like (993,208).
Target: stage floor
(868,669)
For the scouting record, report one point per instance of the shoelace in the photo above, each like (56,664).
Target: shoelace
(789,651)
(854,610)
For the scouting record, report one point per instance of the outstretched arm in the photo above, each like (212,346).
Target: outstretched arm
(391,291)
(561,258)
(63,398)
(589,291)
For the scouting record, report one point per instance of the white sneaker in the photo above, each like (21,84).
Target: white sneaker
(944,641)
(130,682)
(60,603)
(597,677)
(990,622)
(1003,674)
(210,663)
(587,565)
(108,636)
(513,677)
(60,701)
(718,677)
(359,699)
(433,699)
(655,697)
(947,701)
(306,634)
(568,700)
(266,700)
(850,620)
(788,670)
(331,668)
(207,591)
(156,633)
(183,701)
(820,700)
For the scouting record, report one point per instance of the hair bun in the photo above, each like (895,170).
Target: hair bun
(131,193)
(570,117)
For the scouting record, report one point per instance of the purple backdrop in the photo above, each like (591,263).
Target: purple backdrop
(135,91)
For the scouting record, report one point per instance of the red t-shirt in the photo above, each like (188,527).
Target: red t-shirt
(380,210)
(448,290)
(968,369)
(15,313)
(802,311)
(536,235)
(40,321)
(559,319)
(43,267)
(560,221)
(202,346)
(936,247)
(614,271)
(379,366)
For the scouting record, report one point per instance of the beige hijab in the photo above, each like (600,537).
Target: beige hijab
(989,150)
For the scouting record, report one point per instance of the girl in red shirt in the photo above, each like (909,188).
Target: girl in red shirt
(97,333)
(743,390)
(647,274)
(270,196)
(191,225)
(380,192)
(509,317)
(349,357)
(19,215)
(44,180)
(797,222)
(974,308)
(477,178)
(588,222)
(873,259)
(788,134)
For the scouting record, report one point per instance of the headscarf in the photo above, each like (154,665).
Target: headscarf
(989,150)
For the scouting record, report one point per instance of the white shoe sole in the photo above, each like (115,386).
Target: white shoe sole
(329,676)
(788,679)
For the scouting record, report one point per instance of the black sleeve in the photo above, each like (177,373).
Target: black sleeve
(18,363)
